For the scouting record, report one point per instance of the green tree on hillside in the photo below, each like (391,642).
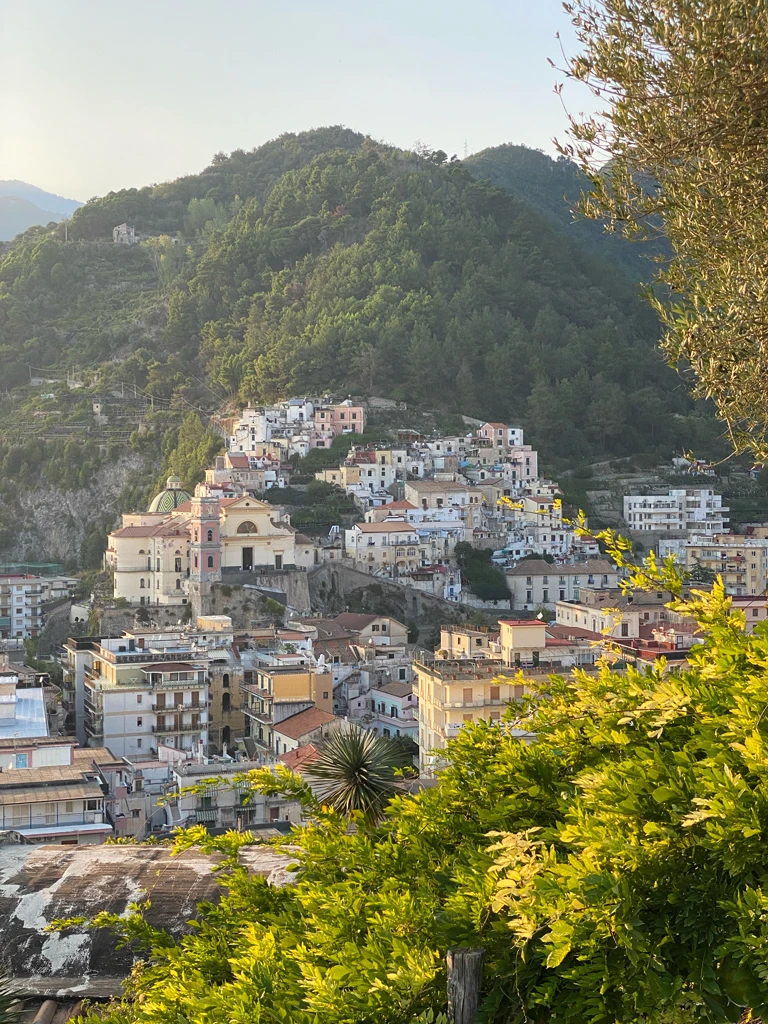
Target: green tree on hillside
(685,135)
(195,449)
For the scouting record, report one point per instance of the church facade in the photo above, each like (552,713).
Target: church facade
(183,544)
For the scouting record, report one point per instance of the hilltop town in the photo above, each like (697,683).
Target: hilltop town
(222,635)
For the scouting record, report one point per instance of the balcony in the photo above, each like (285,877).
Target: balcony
(496,702)
(171,707)
(164,730)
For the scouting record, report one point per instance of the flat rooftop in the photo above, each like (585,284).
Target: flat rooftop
(30,720)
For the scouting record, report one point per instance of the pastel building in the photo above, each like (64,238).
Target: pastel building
(180,537)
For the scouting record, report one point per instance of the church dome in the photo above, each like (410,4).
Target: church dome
(171,497)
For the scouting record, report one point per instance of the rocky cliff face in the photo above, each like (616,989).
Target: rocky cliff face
(53,522)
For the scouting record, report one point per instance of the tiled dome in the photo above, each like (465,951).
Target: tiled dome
(170,498)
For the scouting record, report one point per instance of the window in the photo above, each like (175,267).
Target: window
(178,584)
(135,813)
(528,596)
(141,583)
(92,805)
(139,722)
(545,597)
(625,629)
(210,561)
(21,761)
(528,581)
(495,693)
(177,565)
(209,536)
(157,564)
(325,695)
(226,700)
(374,628)
(225,680)
(402,671)
(138,744)
(393,712)
(69,807)
(468,695)
(247,527)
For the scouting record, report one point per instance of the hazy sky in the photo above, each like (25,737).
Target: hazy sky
(98,95)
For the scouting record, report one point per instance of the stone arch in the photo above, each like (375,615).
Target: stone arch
(226,702)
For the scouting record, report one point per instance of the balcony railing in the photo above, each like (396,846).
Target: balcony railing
(181,706)
(161,730)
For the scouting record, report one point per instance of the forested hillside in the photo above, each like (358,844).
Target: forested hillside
(326,261)
(552,188)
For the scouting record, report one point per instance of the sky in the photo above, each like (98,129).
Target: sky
(97,95)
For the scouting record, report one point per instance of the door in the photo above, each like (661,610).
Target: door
(247,559)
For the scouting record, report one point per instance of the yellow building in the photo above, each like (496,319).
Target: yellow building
(279,693)
(341,476)
(464,642)
(454,692)
(523,642)
(742,561)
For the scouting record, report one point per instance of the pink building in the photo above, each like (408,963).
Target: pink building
(343,418)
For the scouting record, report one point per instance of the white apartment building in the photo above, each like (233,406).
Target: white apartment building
(21,605)
(144,689)
(393,710)
(686,508)
(534,582)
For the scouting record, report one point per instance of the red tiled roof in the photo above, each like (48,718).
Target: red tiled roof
(355,620)
(160,530)
(303,723)
(300,757)
(522,622)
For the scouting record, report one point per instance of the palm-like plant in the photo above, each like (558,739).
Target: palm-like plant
(357,771)
(10,1004)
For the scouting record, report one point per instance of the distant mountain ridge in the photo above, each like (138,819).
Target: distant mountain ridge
(23,206)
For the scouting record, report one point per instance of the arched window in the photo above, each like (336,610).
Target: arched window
(225,680)
(210,536)
(158,565)
(210,561)
(195,561)
(141,583)
(141,551)
(247,527)
(178,584)
(225,701)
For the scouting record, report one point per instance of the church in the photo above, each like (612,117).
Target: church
(186,541)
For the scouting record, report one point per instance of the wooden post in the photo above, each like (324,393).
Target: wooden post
(465,976)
